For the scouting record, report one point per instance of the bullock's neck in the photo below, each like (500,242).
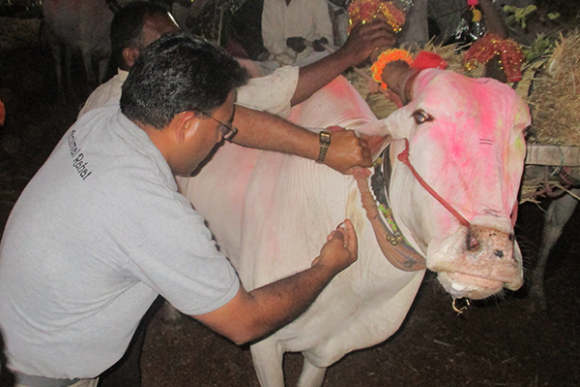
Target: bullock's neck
(391,241)
(380,182)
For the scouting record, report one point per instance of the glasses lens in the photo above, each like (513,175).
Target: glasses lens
(230,133)
(224,130)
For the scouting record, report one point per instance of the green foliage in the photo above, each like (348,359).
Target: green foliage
(517,16)
(541,47)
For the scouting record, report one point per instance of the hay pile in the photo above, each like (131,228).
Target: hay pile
(555,96)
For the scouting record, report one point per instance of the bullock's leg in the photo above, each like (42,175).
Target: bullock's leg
(88,62)
(57,57)
(311,376)
(267,357)
(559,212)
(103,68)
(68,54)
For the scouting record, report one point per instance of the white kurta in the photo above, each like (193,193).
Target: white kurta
(309,19)
(272,93)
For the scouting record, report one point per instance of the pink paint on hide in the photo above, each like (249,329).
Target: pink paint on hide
(474,146)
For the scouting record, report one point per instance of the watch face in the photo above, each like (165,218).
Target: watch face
(325,137)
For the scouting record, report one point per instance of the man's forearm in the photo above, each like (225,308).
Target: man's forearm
(318,74)
(281,302)
(362,41)
(250,316)
(266,131)
(262,130)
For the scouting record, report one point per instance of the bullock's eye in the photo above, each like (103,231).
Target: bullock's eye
(421,116)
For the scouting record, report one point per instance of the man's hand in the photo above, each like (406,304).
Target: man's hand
(347,151)
(320,44)
(365,38)
(297,43)
(340,250)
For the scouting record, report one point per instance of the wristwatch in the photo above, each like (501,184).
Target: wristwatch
(324,137)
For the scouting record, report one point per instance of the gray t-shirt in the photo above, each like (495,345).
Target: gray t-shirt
(96,235)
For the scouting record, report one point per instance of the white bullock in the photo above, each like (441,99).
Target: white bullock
(73,25)
(271,212)
(79,25)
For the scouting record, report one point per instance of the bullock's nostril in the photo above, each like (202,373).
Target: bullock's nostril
(472,242)
(498,253)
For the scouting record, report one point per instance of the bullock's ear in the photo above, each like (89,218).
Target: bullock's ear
(130,55)
(398,123)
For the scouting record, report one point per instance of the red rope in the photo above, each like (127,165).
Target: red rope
(404,158)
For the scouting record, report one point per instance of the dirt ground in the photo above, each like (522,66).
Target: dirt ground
(499,342)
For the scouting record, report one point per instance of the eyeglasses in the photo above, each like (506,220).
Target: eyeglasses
(227,131)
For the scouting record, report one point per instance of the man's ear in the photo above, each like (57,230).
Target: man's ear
(130,55)
(184,124)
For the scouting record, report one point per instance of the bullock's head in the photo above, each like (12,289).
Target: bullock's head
(466,141)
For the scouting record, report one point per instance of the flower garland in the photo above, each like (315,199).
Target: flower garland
(424,60)
(365,11)
(492,45)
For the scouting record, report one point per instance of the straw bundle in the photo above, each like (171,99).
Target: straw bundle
(555,96)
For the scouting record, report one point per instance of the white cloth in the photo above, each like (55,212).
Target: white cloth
(309,19)
(95,237)
(271,93)
(105,93)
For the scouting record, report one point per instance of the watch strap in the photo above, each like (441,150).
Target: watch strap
(324,139)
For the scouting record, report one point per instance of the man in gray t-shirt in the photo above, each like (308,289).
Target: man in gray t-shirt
(101,230)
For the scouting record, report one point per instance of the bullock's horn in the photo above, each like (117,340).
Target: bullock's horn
(399,77)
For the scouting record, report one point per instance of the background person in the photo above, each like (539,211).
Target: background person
(295,32)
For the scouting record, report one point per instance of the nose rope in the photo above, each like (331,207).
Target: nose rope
(404,158)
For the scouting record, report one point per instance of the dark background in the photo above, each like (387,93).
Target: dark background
(499,342)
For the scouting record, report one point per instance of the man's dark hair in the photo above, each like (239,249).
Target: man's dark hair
(179,73)
(127,27)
